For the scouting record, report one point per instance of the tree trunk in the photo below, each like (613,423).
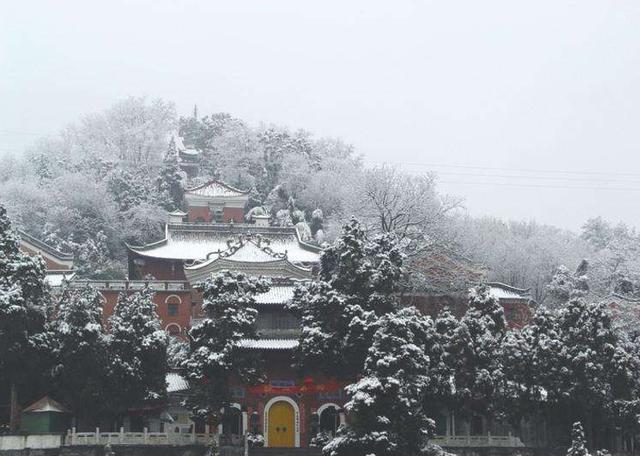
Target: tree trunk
(13,409)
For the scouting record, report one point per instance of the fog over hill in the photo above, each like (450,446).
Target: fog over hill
(528,111)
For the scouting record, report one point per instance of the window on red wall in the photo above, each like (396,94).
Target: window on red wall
(172,309)
(173,306)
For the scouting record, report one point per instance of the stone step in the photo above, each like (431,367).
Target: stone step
(285,452)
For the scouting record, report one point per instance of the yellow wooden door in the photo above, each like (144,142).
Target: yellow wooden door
(281,425)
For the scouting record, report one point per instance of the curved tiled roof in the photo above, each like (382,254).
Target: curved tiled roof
(277,294)
(215,188)
(176,382)
(44,247)
(502,291)
(193,242)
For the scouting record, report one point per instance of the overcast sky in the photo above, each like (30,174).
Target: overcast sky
(525,109)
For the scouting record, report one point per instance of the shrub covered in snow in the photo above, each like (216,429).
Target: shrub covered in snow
(255,440)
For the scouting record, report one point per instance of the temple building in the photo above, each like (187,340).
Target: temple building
(212,236)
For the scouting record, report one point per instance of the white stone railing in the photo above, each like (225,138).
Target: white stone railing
(123,285)
(477,441)
(137,438)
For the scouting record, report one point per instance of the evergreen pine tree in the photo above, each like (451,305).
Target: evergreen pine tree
(138,348)
(386,406)
(81,370)
(215,353)
(578,444)
(24,298)
(358,283)
(316,221)
(565,286)
(476,347)
(169,183)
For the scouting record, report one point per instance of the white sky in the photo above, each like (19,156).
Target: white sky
(461,86)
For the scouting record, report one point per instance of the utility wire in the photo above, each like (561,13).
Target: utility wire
(551,178)
(514,184)
(490,168)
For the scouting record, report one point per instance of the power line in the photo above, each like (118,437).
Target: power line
(522,170)
(552,178)
(547,186)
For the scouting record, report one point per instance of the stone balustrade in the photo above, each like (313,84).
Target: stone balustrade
(137,438)
(132,285)
(452,441)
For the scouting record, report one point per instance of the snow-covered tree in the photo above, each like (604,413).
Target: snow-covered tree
(475,348)
(317,219)
(597,232)
(81,370)
(358,282)
(522,254)
(24,297)
(387,200)
(138,351)
(177,351)
(565,285)
(169,183)
(596,376)
(572,365)
(215,353)
(578,444)
(130,187)
(442,387)
(528,359)
(615,265)
(143,224)
(386,407)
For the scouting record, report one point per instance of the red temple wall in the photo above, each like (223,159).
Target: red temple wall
(194,213)
(518,313)
(158,268)
(235,214)
(182,319)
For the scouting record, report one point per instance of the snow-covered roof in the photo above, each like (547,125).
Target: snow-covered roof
(192,152)
(269,344)
(176,382)
(215,189)
(55,278)
(197,242)
(36,245)
(249,251)
(502,291)
(277,294)
(46,404)
(277,268)
(178,212)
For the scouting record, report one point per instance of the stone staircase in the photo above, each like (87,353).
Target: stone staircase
(285,452)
